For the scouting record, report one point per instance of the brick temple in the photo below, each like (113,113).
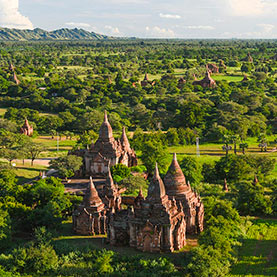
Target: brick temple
(158,223)
(206,82)
(106,152)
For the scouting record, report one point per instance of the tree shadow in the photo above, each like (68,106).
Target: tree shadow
(256,257)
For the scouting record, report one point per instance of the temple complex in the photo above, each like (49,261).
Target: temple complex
(207,82)
(106,152)
(160,222)
(27,129)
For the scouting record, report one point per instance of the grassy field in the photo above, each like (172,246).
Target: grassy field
(27,172)
(228,78)
(209,152)
(2,111)
(258,253)
(51,146)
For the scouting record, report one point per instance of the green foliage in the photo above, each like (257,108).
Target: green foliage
(133,184)
(35,259)
(233,168)
(252,199)
(138,168)
(5,227)
(152,152)
(192,170)
(207,262)
(67,166)
(50,201)
(86,139)
(121,171)
(246,67)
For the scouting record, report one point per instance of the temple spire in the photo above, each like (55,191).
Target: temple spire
(156,190)
(124,140)
(174,180)
(106,117)
(156,172)
(255,181)
(146,77)
(92,199)
(225,187)
(110,186)
(106,132)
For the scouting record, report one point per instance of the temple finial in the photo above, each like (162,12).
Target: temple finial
(174,157)
(156,173)
(105,116)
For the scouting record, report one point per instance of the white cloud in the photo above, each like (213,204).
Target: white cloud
(200,27)
(78,24)
(158,32)
(252,7)
(170,16)
(112,30)
(10,17)
(267,28)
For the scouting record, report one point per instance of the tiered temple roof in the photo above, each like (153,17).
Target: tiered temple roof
(90,217)
(161,220)
(107,151)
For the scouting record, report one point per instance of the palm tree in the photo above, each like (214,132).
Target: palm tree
(226,146)
(234,139)
(262,142)
(243,146)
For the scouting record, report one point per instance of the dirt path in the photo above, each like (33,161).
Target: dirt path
(42,161)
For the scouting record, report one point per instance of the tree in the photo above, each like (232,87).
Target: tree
(86,139)
(246,67)
(67,166)
(243,146)
(262,142)
(50,203)
(152,152)
(192,169)
(252,200)
(5,227)
(121,171)
(133,184)
(9,154)
(207,262)
(233,168)
(33,151)
(23,143)
(226,146)
(234,139)
(172,136)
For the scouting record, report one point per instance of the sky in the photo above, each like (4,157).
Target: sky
(147,18)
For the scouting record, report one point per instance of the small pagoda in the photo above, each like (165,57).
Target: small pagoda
(90,217)
(207,82)
(27,129)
